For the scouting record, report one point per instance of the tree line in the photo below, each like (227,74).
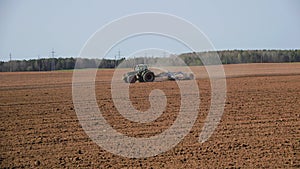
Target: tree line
(245,56)
(190,59)
(51,64)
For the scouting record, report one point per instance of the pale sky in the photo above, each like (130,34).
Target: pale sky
(31,28)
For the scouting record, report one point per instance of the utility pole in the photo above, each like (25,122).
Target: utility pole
(119,56)
(53,61)
(115,61)
(133,61)
(39,63)
(10,64)
(164,54)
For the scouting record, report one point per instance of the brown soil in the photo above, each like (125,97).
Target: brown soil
(260,126)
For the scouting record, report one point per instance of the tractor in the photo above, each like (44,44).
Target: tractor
(141,73)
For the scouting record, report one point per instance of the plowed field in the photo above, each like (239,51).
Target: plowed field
(260,127)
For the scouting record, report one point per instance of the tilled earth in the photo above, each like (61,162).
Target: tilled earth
(260,126)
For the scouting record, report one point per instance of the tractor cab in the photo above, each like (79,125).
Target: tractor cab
(140,67)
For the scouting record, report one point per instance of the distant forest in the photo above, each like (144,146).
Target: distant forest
(190,59)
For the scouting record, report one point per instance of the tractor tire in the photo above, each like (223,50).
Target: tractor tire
(148,77)
(131,79)
(125,79)
(140,79)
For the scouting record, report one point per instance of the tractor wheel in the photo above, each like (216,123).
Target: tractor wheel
(140,79)
(125,79)
(131,79)
(148,77)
